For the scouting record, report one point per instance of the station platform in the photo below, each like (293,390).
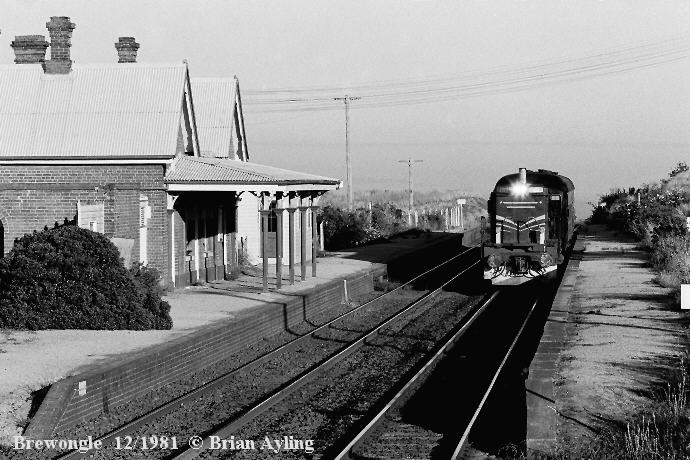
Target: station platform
(231,313)
(612,336)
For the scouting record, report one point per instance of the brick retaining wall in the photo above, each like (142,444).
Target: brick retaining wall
(123,380)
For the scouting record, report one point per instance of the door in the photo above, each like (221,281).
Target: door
(271,246)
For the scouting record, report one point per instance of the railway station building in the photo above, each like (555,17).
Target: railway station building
(154,159)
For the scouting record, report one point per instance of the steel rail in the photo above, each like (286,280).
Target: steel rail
(305,377)
(345,453)
(465,435)
(180,401)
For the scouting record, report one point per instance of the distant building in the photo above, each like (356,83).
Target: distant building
(154,160)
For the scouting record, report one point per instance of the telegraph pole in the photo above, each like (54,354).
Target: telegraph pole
(410,162)
(348,186)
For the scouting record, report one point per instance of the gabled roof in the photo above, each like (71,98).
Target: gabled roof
(219,117)
(95,111)
(194,170)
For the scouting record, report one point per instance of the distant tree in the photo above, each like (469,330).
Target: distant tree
(681,167)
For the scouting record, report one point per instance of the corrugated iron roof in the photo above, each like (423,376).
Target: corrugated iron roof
(121,110)
(214,107)
(187,169)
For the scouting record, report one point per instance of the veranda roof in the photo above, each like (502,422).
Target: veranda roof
(224,174)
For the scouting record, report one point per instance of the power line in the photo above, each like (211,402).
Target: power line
(516,79)
(474,74)
(489,89)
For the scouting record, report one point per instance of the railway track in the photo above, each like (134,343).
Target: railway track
(454,384)
(331,332)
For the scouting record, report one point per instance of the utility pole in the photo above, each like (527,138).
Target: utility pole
(348,186)
(410,162)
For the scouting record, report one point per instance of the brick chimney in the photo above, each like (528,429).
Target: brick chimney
(126,49)
(60,29)
(29,49)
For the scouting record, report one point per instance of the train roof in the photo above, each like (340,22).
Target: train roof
(542,177)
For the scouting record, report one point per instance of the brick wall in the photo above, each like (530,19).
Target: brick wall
(32,197)
(116,383)
(158,232)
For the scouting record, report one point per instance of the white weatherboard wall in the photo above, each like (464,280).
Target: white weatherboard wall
(249,228)
(286,238)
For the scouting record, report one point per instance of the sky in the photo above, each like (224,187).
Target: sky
(597,90)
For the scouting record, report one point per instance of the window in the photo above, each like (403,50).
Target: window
(272,219)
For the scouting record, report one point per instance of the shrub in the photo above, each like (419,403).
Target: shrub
(671,258)
(671,253)
(648,213)
(342,228)
(148,283)
(73,278)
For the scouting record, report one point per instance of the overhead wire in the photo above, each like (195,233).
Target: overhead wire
(475,84)
(470,74)
(630,63)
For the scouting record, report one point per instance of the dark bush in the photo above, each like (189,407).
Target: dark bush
(147,280)
(342,228)
(73,278)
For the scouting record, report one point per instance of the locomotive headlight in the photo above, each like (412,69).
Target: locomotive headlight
(545,260)
(519,189)
(494,260)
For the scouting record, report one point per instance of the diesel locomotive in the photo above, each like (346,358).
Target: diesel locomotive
(531,220)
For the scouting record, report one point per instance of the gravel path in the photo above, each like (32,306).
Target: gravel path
(624,335)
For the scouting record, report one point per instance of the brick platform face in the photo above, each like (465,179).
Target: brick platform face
(542,418)
(32,197)
(110,385)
